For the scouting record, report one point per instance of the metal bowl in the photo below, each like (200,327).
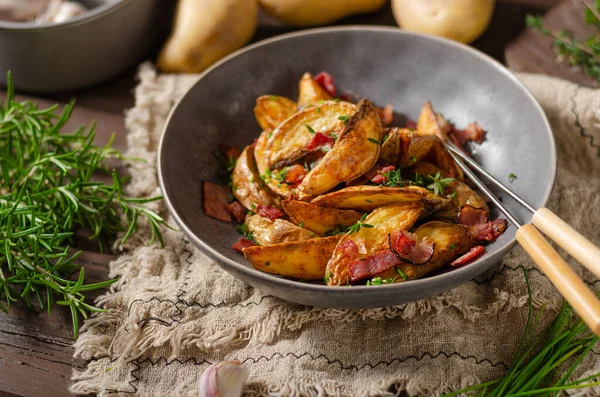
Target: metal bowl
(382,64)
(88,49)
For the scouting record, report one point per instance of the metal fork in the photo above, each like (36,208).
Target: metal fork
(572,288)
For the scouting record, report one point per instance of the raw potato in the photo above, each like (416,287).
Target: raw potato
(199,37)
(247,186)
(355,152)
(319,219)
(461,20)
(366,198)
(304,259)
(451,241)
(369,240)
(266,231)
(317,12)
(289,141)
(310,92)
(272,110)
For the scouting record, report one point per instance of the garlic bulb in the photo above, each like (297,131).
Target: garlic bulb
(223,379)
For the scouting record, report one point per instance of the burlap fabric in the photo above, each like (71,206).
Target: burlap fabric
(173,311)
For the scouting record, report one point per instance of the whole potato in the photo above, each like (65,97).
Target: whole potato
(317,12)
(460,20)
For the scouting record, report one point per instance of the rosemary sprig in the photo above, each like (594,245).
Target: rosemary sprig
(582,53)
(46,193)
(566,342)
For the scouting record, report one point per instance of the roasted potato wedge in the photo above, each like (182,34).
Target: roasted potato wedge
(390,148)
(356,151)
(272,110)
(367,198)
(428,122)
(319,219)
(266,231)
(414,147)
(369,240)
(464,196)
(247,186)
(300,259)
(451,241)
(290,140)
(440,156)
(310,92)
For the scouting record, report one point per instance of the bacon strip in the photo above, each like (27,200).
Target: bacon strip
(269,212)
(320,140)
(408,249)
(474,253)
(295,174)
(241,244)
(491,230)
(372,264)
(325,80)
(471,216)
(349,247)
(214,201)
(237,211)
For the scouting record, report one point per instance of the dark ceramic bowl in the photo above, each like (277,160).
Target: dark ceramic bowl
(384,65)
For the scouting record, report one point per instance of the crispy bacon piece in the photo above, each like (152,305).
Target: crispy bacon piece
(227,151)
(410,124)
(241,244)
(295,174)
(320,140)
(473,133)
(373,264)
(386,115)
(491,230)
(214,201)
(471,216)
(474,253)
(408,249)
(237,211)
(380,179)
(269,212)
(325,80)
(349,247)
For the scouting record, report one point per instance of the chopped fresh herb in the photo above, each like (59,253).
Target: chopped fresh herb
(511,177)
(345,118)
(234,188)
(413,159)
(334,232)
(281,174)
(453,195)
(336,99)
(253,206)
(385,138)
(318,110)
(321,101)
(242,228)
(356,227)
(375,141)
(327,276)
(268,264)
(108,369)
(251,178)
(368,201)
(418,180)
(301,224)
(394,178)
(267,175)
(376,281)
(334,136)
(439,184)
(309,166)
(452,246)
(401,273)
(274,97)
(270,134)
(310,129)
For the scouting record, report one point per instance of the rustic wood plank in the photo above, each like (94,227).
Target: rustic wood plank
(532,52)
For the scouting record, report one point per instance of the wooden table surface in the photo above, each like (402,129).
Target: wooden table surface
(35,350)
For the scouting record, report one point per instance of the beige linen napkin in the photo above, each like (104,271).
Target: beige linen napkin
(174,311)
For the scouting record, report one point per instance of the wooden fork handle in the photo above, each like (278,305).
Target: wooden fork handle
(579,247)
(572,288)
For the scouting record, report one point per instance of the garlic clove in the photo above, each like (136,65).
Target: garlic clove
(223,379)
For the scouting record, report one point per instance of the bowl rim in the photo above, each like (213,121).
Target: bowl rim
(484,262)
(88,16)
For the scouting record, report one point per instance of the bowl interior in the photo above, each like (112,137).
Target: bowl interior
(386,66)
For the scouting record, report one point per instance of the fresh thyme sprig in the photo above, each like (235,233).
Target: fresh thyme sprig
(583,53)
(360,223)
(46,193)
(439,184)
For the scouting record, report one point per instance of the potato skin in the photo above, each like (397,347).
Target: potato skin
(272,110)
(451,241)
(319,219)
(266,231)
(390,148)
(301,259)
(310,92)
(247,187)
(370,240)
(356,151)
(366,198)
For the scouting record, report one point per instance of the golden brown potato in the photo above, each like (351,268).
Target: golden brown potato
(246,184)
(369,240)
(390,148)
(266,231)
(440,156)
(310,92)
(464,196)
(272,110)
(356,151)
(290,140)
(451,241)
(366,198)
(301,259)
(319,219)
(428,122)
(417,147)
